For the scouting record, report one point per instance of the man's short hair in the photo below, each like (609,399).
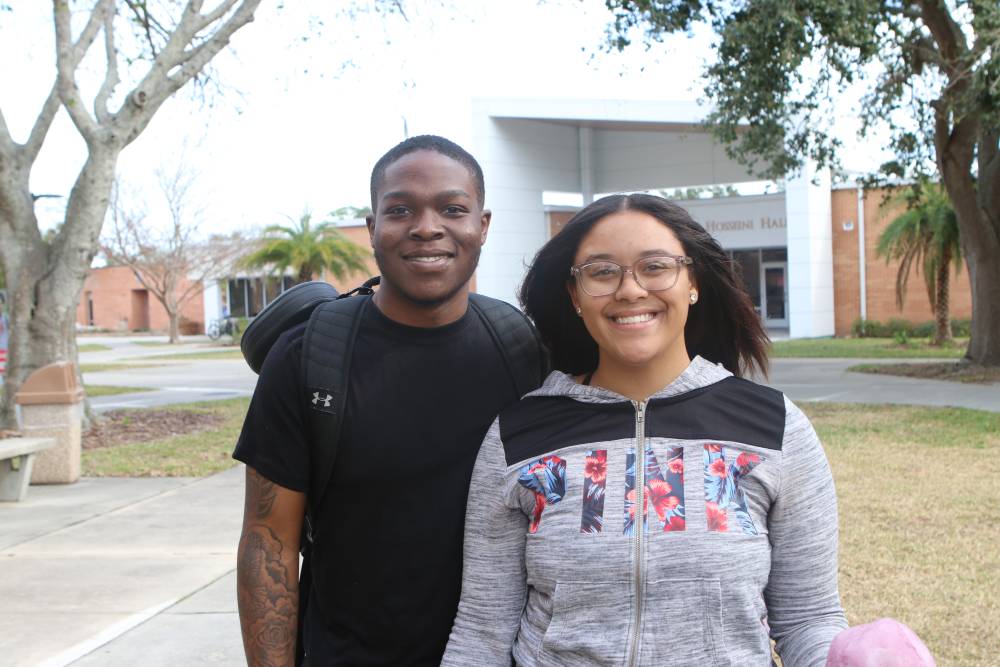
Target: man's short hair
(428,142)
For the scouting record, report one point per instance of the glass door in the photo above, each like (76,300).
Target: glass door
(775,293)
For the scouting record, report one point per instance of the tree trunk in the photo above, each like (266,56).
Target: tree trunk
(45,280)
(978,214)
(175,330)
(942,315)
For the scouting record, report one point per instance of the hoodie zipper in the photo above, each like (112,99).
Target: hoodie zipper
(638,527)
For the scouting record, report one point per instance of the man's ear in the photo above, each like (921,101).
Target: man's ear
(485,218)
(370,223)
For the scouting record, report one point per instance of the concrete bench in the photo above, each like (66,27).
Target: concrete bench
(16,458)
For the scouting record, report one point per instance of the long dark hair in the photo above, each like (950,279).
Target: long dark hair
(722,327)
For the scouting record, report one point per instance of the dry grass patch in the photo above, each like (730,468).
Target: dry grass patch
(919,496)
(190,440)
(953,372)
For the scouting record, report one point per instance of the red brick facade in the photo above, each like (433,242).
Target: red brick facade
(114,299)
(880,277)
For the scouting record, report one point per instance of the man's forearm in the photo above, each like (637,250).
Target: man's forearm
(267,587)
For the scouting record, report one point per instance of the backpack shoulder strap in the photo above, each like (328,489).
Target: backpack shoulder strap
(516,338)
(326,364)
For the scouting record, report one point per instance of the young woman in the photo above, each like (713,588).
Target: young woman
(647,505)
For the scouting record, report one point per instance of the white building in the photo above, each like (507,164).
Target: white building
(529,147)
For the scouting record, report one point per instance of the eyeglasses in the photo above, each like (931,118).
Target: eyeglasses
(652,274)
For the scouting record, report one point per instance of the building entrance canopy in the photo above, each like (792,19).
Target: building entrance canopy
(527,147)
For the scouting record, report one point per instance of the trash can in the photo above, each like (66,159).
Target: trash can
(51,403)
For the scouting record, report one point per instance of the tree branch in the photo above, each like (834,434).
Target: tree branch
(42,124)
(948,34)
(193,60)
(7,144)
(111,79)
(174,66)
(214,15)
(68,57)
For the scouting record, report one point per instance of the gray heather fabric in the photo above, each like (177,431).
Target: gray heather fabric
(560,596)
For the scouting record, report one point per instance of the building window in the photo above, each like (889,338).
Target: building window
(748,268)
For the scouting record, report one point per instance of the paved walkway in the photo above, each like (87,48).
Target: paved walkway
(116,572)
(829,380)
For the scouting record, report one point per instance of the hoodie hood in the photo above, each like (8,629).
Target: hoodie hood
(699,373)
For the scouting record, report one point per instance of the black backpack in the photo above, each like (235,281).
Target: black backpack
(326,356)
(326,362)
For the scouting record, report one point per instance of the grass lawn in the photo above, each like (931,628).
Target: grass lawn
(100,368)
(865,348)
(919,509)
(92,347)
(943,370)
(189,455)
(94,390)
(234,353)
(919,506)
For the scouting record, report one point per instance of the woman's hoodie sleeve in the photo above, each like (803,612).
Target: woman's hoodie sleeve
(493,577)
(803,602)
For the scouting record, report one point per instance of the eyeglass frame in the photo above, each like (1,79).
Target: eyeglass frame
(682,260)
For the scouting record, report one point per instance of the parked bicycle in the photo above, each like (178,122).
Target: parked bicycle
(223,325)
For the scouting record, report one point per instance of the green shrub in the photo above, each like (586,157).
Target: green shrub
(875,329)
(897,325)
(239,326)
(961,328)
(901,337)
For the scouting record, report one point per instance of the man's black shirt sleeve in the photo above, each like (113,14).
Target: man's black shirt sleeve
(273,440)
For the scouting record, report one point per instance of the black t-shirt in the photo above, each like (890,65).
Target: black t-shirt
(419,404)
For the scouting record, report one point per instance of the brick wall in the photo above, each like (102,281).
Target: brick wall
(880,277)
(121,303)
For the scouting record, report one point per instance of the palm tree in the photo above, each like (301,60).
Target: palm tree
(925,238)
(307,249)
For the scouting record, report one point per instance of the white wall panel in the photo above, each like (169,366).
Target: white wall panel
(810,254)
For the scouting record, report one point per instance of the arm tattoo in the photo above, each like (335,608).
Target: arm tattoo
(268,596)
(266,582)
(260,495)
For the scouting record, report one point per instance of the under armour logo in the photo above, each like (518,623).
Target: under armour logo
(325,400)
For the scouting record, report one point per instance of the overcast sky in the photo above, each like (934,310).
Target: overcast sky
(296,129)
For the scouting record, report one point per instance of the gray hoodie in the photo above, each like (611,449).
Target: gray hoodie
(738,538)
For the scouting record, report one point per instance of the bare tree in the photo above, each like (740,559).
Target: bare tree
(179,39)
(173,264)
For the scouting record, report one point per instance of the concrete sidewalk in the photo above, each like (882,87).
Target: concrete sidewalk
(122,572)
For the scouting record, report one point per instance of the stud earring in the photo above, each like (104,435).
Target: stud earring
(579,311)
(694,297)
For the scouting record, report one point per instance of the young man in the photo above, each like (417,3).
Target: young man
(426,382)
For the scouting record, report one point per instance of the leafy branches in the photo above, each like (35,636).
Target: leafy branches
(308,250)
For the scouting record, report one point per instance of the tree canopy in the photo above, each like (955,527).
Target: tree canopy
(307,249)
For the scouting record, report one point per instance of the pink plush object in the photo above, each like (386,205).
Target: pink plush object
(882,643)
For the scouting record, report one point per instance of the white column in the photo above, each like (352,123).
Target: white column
(586,141)
(810,253)
(211,300)
(520,160)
